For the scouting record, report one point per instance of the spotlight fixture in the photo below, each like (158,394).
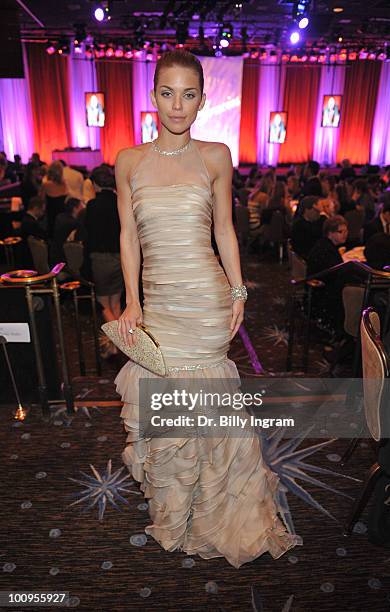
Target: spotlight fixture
(225,35)
(303,23)
(63,47)
(80,33)
(50,48)
(338,9)
(110,51)
(89,52)
(128,52)
(294,37)
(301,12)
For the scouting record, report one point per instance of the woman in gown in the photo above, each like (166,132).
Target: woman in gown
(208,496)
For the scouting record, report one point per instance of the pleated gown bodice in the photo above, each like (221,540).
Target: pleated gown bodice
(187,302)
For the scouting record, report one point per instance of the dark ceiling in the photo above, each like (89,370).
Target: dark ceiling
(267,22)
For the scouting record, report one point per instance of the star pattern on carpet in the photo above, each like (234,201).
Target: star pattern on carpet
(103,488)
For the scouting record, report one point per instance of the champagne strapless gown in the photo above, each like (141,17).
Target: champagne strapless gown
(208,496)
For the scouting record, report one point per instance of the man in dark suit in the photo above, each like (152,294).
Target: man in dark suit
(67,226)
(312,185)
(380,224)
(31,226)
(30,222)
(327,301)
(307,229)
(377,251)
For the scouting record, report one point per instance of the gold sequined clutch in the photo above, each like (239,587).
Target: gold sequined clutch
(146,351)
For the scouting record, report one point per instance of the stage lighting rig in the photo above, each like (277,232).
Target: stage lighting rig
(301,13)
(63,47)
(225,35)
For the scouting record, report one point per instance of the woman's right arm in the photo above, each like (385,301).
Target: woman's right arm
(129,245)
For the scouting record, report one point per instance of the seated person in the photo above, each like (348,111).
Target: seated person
(377,251)
(30,221)
(306,229)
(327,301)
(31,226)
(312,185)
(380,224)
(67,226)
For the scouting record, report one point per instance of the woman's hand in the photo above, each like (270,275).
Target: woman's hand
(129,319)
(237,317)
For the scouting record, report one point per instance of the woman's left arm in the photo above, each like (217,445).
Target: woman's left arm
(225,235)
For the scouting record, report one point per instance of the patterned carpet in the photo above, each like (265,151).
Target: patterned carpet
(111,565)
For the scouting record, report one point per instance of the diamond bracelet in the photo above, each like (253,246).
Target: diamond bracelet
(239,293)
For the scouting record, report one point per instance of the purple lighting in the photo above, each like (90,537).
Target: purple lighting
(294,37)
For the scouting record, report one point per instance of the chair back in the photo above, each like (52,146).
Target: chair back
(355,221)
(39,253)
(242,222)
(376,368)
(277,227)
(298,266)
(353,298)
(74,255)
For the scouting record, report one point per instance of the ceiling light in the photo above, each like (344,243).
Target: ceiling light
(101,11)
(303,23)
(294,37)
(50,48)
(338,9)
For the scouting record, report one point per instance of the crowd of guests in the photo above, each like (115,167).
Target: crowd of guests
(321,214)
(326,219)
(62,205)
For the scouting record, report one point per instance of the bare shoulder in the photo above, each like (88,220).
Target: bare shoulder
(216,150)
(127,159)
(217,157)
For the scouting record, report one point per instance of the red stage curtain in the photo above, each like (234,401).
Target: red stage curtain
(249,101)
(300,102)
(357,112)
(115,80)
(48,82)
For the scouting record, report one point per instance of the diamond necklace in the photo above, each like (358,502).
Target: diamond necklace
(155,147)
